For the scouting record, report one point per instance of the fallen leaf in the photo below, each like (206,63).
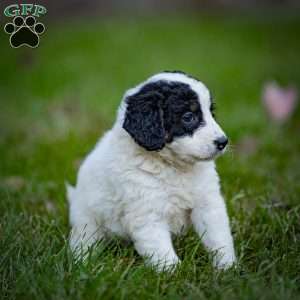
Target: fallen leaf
(279,102)
(14,183)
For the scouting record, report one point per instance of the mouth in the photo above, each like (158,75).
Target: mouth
(213,155)
(208,158)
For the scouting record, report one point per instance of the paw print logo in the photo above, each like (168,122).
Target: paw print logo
(24,31)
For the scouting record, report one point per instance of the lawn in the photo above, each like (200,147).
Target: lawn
(58,99)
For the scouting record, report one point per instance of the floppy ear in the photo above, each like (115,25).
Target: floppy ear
(144,119)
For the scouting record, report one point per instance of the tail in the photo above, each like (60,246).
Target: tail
(70,192)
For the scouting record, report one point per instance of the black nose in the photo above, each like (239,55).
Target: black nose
(221,142)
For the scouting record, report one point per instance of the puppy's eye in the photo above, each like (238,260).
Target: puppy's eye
(188,118)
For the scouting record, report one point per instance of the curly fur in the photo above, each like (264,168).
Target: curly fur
(153,174)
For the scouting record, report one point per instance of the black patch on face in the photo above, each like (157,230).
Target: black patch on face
(160,112)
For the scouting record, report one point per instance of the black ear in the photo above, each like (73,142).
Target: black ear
(144,119)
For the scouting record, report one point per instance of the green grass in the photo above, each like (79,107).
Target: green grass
(57,100)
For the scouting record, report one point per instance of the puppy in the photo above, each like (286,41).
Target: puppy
(153,174)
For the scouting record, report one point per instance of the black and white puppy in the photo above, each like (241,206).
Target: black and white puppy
(153,174)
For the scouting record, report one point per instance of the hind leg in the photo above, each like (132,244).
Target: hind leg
(85,232)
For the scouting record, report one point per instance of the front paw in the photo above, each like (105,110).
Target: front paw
(224,261)
(164,265)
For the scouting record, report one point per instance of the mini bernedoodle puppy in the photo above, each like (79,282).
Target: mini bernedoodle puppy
(153,174)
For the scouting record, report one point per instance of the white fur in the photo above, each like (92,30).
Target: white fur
(125,190)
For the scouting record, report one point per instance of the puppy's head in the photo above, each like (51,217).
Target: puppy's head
(173,112)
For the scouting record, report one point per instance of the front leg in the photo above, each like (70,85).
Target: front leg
(211,222)
(153,241)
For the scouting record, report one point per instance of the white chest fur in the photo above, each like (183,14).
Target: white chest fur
(174,192)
